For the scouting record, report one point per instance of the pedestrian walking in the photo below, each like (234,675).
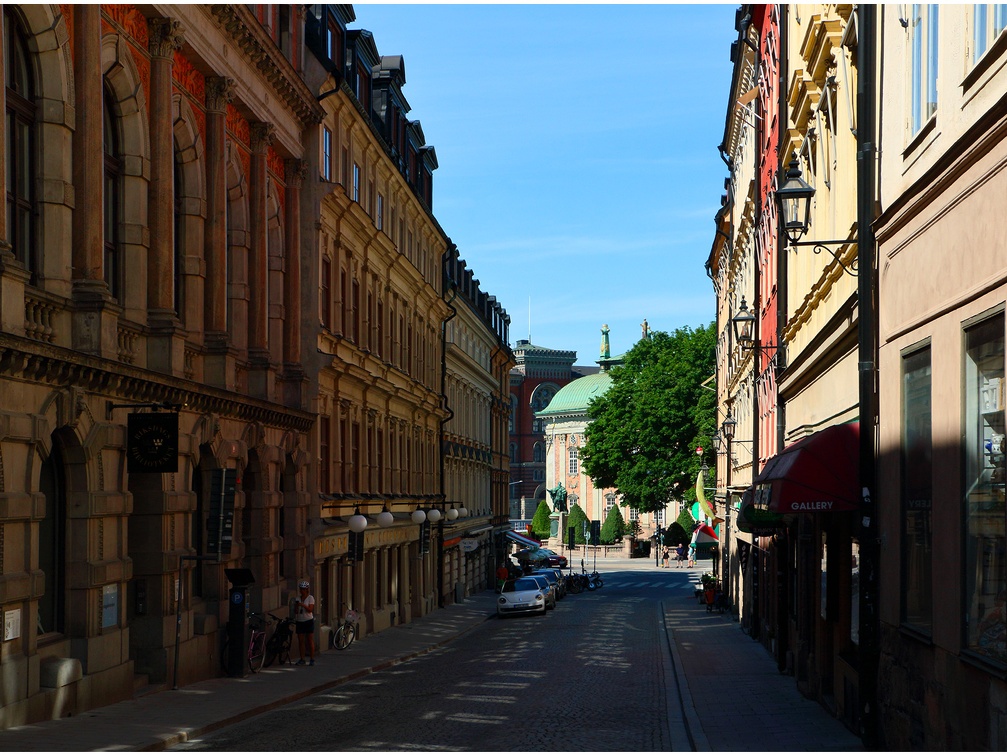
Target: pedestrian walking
(692,555)
(502,574)
(666,559)
(304,617)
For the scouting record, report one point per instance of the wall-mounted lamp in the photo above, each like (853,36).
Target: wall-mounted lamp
(385,517)
(744,329)
(357,523)
(418,516)
(794,196)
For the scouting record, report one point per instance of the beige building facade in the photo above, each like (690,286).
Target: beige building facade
(154,160)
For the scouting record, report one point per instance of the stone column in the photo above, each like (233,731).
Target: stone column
(95,316)
(219,365)
(293,308)
(258,266)
(166,344)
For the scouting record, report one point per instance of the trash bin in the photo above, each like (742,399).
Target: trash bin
(236,662)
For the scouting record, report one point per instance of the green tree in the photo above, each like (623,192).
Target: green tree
(675,535)
(576,520)
(614,526)
(540,520)
(644,430)
(687,523)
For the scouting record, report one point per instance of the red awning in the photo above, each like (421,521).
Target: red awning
(820,473)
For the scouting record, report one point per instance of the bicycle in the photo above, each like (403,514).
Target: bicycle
(278,645)
(255,655)
(346,632)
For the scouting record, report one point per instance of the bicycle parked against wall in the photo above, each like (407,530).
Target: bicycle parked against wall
(257,625)
(346,632)
(278,645)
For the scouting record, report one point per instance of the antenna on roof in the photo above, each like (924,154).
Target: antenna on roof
(529,319)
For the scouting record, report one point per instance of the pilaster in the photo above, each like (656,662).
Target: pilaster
(259,383)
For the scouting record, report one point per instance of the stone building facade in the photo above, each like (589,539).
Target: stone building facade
(154,160)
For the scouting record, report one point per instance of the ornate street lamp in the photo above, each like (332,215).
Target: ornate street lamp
(794,197)
(728,427)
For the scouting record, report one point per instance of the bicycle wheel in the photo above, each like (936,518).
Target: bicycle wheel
(344,636)
(256,651)
(284,651)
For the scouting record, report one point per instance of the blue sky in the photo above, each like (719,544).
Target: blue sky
(577,151)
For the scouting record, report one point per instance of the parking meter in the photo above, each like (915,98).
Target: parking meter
(237,637)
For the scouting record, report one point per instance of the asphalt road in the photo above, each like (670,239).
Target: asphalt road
(592,675)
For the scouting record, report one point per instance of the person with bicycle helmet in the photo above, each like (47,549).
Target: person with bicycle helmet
(304,615)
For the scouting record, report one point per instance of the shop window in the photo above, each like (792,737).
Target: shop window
(917,491)
(985,543)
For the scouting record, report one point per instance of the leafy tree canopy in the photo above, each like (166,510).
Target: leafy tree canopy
(676,535)
(644,430)
(540,520)
(614,526)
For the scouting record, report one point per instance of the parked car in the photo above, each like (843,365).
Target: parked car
(552,559)
(521,595)
(554,576)
(547,587)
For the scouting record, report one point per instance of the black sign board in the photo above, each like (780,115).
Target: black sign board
(356,547)
(595,532)
(220,522)
(152,442)
(571,536)
(425,537)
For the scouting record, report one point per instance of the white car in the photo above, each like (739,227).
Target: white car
(523,594)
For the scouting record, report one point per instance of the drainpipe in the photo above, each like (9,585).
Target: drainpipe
(866,352)
(444,421)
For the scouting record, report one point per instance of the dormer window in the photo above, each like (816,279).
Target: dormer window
(363,85)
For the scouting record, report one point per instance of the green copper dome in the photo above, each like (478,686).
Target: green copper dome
(574,397)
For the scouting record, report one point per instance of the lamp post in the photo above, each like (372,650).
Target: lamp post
(727,428)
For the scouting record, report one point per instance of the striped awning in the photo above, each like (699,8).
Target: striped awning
(523,540)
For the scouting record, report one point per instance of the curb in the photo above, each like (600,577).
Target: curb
(196,732)
(693,725)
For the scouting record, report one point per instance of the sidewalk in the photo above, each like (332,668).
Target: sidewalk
(732,694)
(167,717)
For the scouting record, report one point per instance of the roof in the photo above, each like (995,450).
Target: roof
(574,397)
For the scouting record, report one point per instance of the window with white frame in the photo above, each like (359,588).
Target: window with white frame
(923,26)
(987,23)
(634,514)
(574,461)
(327,154)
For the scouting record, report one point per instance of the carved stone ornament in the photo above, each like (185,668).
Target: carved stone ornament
(296,171)
(219,93)
(166,36)
(263,135)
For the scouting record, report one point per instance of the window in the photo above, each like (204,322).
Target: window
(538,475)
(609,503)
(179,240)
(987,23)
(324,454)
(513,413)
(324,293)
(20,146)
(326,154)
(356,183)
(333,39)
(985,544)
(924,64)
(542,396)
(917,491)
(634,514)
(113,177)
(574,460)
(513,453)
(380,218)
(538,425)
(539,452)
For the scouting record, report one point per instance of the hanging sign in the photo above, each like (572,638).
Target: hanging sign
(152,442)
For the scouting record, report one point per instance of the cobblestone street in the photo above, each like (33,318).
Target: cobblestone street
(589,676)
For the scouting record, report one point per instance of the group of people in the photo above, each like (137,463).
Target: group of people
(681,553)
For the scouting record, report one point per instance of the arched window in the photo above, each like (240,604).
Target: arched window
(113,180)
(20,145)
(539,451)
(574,467)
